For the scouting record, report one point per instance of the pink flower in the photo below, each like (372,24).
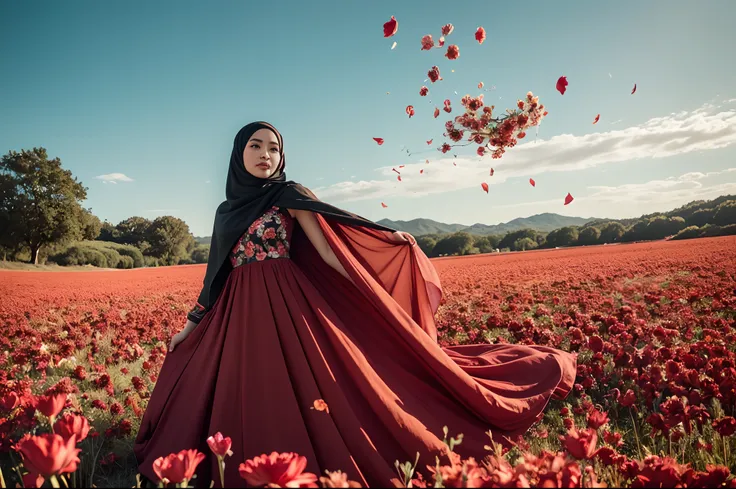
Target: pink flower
(580,443)
(427,42)
(178,467)
(72,424)
(51,405)
(279,469)
(220,445)
(49,454)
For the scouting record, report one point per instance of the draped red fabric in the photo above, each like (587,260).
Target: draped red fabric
(286,332)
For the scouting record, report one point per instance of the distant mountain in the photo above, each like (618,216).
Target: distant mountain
(541,222)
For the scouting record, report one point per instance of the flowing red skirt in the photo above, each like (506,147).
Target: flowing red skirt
(281,336)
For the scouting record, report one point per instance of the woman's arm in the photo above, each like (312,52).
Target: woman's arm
(308,221)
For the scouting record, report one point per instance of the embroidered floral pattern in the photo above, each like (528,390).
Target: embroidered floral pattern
(268,237)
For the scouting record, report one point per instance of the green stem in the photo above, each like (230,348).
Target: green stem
(636,435)
(221,465)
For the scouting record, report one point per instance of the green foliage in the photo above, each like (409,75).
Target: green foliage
(725,213)
(567,236)
(455,244)
(523,244)
(589,236)
(99,254)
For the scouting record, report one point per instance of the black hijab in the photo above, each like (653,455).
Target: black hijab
(248,198)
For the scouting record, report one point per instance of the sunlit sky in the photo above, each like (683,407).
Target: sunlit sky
(142,100)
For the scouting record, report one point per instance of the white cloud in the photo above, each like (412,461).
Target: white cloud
(114,178)
(678,133)
(684,188)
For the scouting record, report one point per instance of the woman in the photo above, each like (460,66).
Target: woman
(304,301)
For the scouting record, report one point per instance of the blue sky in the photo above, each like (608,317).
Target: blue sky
(142,100)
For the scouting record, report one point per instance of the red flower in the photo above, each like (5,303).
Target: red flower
(337,479)
(427,42)
(595,343)
(447,29)
(280,469)
(423,91)
(596,419)
(72,424)
(629,399)
(725,426)
(480,35)
(49,454)
(410,110)
(434,74)
(580,443)
(177,467)
(453,52)
(9,401)
(390,27)
(562,85)
(220,445)
(51,405)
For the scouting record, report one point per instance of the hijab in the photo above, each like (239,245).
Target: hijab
(247,198)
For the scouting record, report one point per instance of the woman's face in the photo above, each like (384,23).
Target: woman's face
(261,155)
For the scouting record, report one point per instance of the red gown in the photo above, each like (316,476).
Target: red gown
(288,329)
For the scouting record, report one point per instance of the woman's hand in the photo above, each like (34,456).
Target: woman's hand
(181,335)
(403,237)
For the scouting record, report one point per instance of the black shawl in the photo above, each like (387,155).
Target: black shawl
(248,198)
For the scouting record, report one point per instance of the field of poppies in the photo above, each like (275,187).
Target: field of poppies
(654,325)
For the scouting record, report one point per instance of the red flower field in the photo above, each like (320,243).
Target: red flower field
(654,325)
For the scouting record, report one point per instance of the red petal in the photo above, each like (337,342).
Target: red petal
(421,171)
(390,27)
(397,171)
(480,85)
(383,205)
(597,118)
(378,140)
(491,171)
(399,177)
(426,161)
(568,199)
(534,184)
(634,90)
(562,85)
(436,112)
(453,52)
(430,141)
(402,166)
(447,29)
(410,110)
(485,186)
(454,163)
(480,35)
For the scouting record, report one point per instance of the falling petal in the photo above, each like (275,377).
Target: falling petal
(568,199)
(383,205)
(480,35)
(436,112)
(634,90)
(410,110)
(562,85)
(321,405)
(480,85)
(484,185)
(492,171)
(534,184)
(426,161)
(397,171)
(421,171)
(393,45)
(597,118)
(378,140)
(399,177)
(402,166)
(390,27)
(430,141)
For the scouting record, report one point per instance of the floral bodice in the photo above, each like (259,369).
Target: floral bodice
(268,237)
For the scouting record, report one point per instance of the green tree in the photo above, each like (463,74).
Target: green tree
(589,236)
(458,243)
(725,214)
(427,244)
(170,240)
(486,244)
(39,201)
(523,244)
(700,217)
(567,236)
(509,239)
(91,225)
(612,232)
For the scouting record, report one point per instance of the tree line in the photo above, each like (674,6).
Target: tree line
(42,220)
(694,220)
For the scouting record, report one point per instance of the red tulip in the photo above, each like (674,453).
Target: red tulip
(177,467)
(72,424)
(279,469)
(629,399)
(220,445)
(580,443)
(596,419)
(9,401)
(49,454)
(51,405)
